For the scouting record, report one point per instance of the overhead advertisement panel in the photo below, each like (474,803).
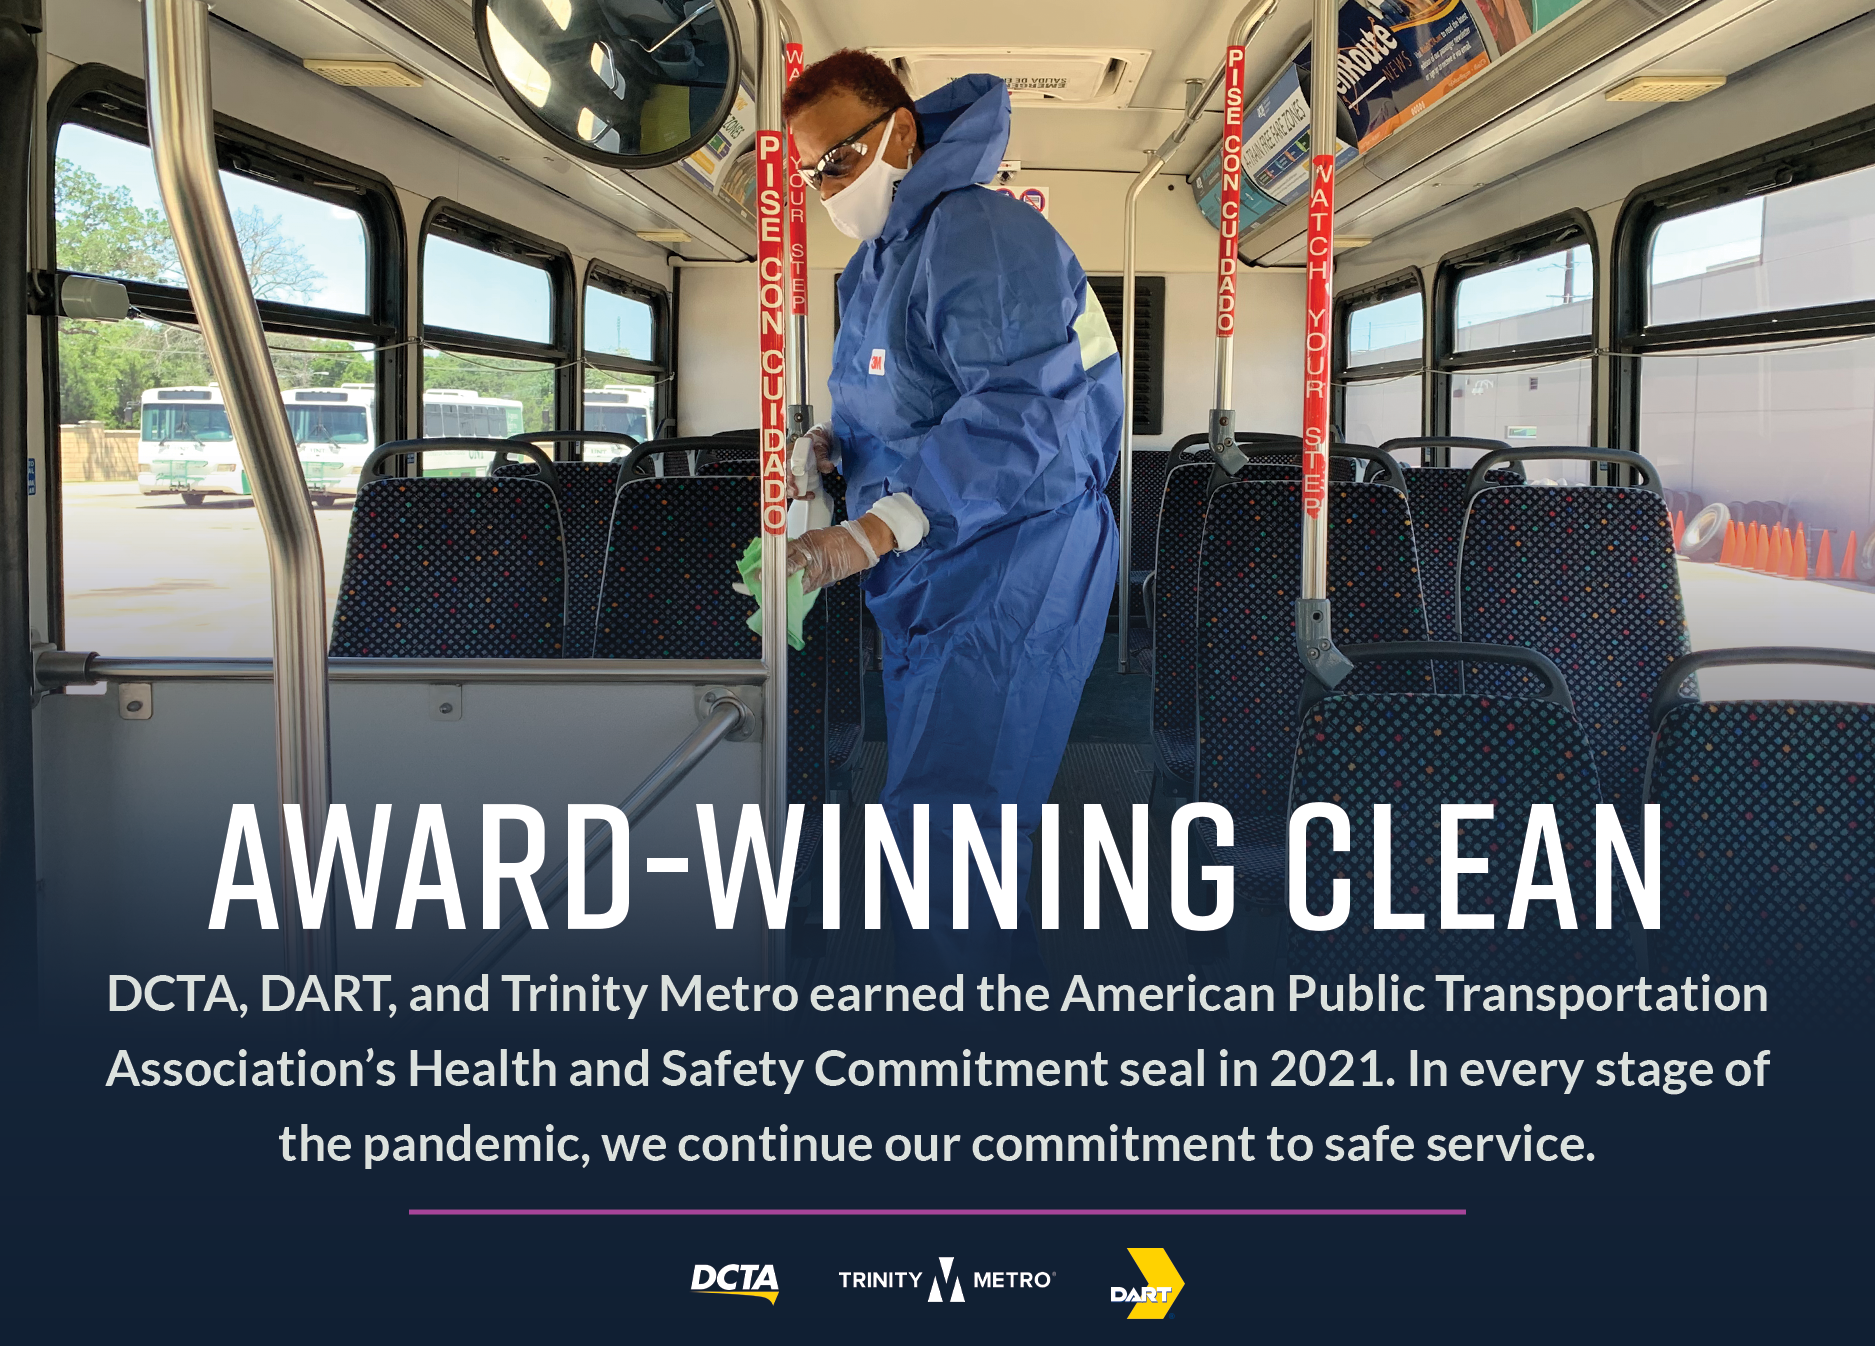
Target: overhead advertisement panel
(1397,58)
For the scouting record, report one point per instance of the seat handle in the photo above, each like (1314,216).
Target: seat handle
(566,437)
(1392,446)
(1476,481)
(1667,691)
(500,446)
(1461,651)
(1396,475)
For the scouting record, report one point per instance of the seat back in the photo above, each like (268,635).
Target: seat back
(1149,469)
(1586,575)
(671,556)
(1438,500)
(1767,838)
(453,568)
(1417,753)
(1248,673)
(1175,619)
(586,492)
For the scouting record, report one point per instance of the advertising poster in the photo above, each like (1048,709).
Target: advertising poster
(1397,59)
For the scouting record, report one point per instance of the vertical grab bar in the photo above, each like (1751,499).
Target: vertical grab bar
(182,141)
(1315,628)
(1248,21)
(771,283)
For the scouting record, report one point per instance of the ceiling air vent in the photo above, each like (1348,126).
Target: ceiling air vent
(1036,76)
(359,73)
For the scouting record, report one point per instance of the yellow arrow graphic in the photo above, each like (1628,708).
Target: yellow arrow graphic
(1160,1274)
(770,1295)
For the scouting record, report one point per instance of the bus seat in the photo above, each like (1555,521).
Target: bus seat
(1175,622)
(670,560)
(1767,837)
(1585,574)
(1247,672)
(1416,752)
(1149,469)
(453,568)
(586,492)
(1438,500)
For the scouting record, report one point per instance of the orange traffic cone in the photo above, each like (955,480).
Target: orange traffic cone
(1728,551)
(1800,555)
(1825,560)
(1848,558)
(1679,528)
(1761,557)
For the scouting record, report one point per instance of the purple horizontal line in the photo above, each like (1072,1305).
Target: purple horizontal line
(942,1211)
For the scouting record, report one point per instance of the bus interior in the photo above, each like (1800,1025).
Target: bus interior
(1614,257)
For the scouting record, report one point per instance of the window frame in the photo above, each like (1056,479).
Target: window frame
(1838,146)
(1398,284)
(1826,151)
(1571,228)
(469,227)
(604,276)
(105,99)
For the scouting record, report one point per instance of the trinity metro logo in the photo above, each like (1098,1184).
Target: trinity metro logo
(1154,1299)
(756,1280)
(946,1276)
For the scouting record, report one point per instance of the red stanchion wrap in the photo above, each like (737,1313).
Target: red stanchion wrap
(771,171)
(1318,344)
(1230,193)
(797,205)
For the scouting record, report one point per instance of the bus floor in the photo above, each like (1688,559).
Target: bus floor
(1108,762)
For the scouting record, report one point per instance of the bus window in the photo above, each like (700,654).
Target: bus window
(1779,433)
(163,553)
(298,250)
(494,341)
(623,352)
(1543,301)
(475,291)
(1383,343)
(618,324)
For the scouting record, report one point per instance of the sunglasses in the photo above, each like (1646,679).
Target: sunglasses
(845,158)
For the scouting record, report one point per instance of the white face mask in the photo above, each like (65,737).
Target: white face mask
(860,210)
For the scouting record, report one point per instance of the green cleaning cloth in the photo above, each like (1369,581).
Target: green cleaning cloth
(799,604)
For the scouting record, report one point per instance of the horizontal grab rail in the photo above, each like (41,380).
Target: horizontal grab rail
(78,668)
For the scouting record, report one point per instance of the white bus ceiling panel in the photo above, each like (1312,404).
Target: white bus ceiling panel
(255,85)
(133,813)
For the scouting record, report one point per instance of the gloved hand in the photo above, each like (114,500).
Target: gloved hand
(828,555)
(803,479)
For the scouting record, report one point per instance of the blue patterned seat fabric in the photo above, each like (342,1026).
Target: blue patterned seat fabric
(453,568)
(586,491)
(846,674)
(670,560)
(1767,849)
(1585,575)
(1438,499)
(1248,675)
(1149,469)
(1417,752)
(1175,619)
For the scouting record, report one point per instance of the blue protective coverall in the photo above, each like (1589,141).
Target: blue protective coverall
(996,405)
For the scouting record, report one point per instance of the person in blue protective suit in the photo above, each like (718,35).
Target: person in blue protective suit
(976,407)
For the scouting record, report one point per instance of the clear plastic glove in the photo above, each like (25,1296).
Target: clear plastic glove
(828,555)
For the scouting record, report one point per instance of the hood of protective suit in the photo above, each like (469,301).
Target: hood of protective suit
(966,131)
